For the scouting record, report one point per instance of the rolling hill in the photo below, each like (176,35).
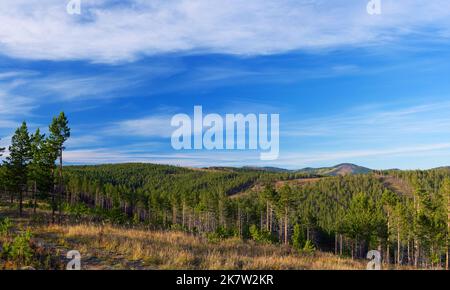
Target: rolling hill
(340,169)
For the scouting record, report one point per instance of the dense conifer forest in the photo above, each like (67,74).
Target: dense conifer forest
(403,214)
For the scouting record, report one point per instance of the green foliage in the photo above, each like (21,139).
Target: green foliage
(363,209)
(221,233)
(59,131)
(298,237)
(19,250)
(5,226)
(363,218)
(77,210)
(308,248)
(19,157)
(261,236)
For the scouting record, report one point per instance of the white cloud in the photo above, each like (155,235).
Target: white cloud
(11,104)
(152,126)
(7,75)
(189,159)
(83,141)
(290,159)
(111,32)
(388,121)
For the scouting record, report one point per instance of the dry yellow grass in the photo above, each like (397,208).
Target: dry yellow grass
(108,247)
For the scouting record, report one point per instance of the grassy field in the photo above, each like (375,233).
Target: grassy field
(108,247)
(104,247)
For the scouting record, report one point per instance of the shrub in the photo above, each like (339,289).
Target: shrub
(77,210)
(5,226)
(19,250)
(261,236)
(298,238)
(221,233)
(309,248)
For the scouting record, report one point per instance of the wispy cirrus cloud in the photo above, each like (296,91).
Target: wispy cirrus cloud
(296,159)
(111,32)
(377,121)
(21,92)
(191,159)
(150,126)
(290,160)
(13,106)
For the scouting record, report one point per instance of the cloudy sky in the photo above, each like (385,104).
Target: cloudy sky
(349,86)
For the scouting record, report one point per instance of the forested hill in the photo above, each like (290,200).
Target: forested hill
(164,178)
(341,169)
(405,214)
(142,177)
(346,209)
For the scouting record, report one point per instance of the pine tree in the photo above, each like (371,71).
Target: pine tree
(431,226)
(284,207)
(59,134)
(2,173)
(389,200)
(40,167)
(361,222)
(269,195)
(18,160)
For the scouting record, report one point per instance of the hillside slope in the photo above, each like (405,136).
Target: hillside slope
(340,169)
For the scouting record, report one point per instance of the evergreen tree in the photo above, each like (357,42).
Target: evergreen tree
(18,160)
(361,222)
(41,165)
(59,133)
(268,195)
(284,209)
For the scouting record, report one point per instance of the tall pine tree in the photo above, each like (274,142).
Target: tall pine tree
(59,133)
(41,165)
(18,160)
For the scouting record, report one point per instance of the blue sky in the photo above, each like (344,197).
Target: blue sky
(349,86)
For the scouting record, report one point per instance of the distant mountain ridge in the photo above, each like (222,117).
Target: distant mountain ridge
(340,169)
(267,168)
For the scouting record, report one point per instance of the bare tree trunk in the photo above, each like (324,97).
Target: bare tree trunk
(409,252)
(184,214)
(398,245)
(35,197)
(335,244)
(53,206)
(286,224)
(416,254)
(446,258)
(174,215)
(261,220)
(60,184)
(388,254)
(239,222)
(20,203)
(280,230)
(353,250)
(270,219)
